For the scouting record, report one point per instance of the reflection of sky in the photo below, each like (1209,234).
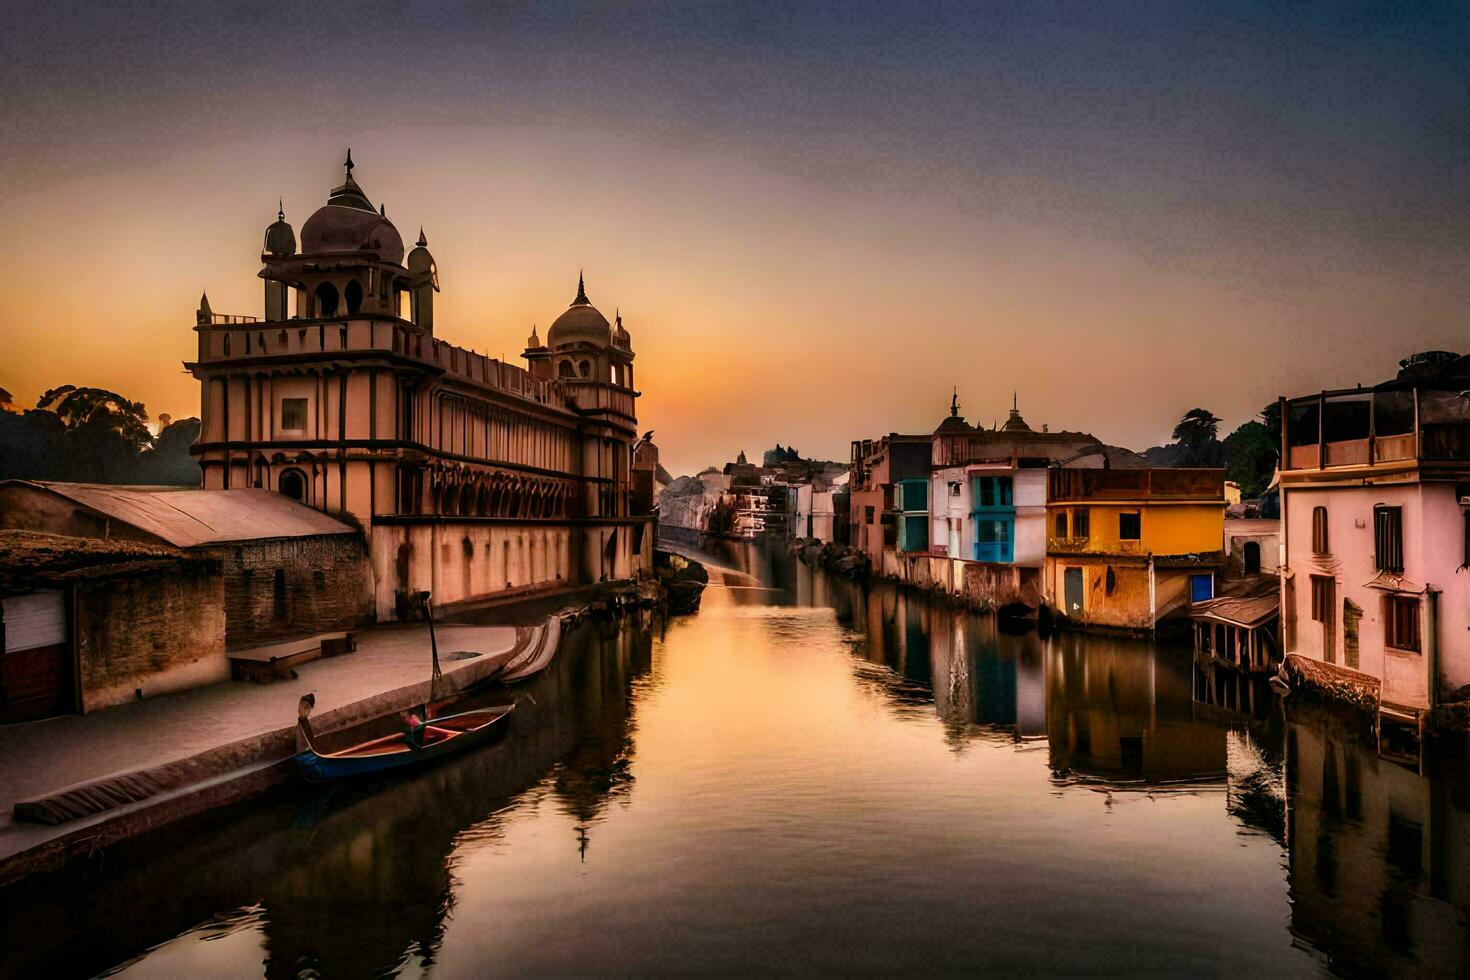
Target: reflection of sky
(768,192)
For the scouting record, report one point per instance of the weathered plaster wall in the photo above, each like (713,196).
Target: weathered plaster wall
(160,631)
(288,587)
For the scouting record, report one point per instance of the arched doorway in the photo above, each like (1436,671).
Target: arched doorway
(1252,558)
(326,300)
(293,484)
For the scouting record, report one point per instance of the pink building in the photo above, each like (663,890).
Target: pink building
(1375,490)
(469,476)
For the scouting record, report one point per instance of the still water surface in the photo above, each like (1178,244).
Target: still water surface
(807,776)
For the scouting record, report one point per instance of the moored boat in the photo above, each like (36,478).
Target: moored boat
(420,737)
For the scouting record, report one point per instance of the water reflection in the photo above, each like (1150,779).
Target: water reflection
(1380,854)
(790,780)
(353,880)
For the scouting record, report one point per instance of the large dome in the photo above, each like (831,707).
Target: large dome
(348,223)
(581,323)
(335,228)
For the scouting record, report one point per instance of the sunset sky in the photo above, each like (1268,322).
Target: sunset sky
(814,218)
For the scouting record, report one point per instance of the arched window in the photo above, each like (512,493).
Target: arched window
(585,368)
(1319,531)
(293,484)
(326,300)
(565,370)
(353,297)
(1251,558)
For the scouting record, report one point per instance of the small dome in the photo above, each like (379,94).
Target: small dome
(581,323)
(280,239)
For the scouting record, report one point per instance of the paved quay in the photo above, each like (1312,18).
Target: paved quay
(42,757)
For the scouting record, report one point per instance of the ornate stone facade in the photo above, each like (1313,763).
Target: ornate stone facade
(468,475)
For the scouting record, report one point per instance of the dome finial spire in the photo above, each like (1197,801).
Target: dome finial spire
(281,209)
(581,299)
(954,403)
(349,164)
(422,242)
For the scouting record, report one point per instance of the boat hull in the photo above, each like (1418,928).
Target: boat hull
(318,767)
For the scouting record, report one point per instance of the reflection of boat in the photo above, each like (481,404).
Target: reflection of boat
(367,749)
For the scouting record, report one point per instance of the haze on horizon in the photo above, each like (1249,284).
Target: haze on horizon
(815,219)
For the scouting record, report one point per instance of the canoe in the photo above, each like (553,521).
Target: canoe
(421,737)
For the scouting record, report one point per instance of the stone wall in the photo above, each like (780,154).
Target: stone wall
(157,631)
(286,587)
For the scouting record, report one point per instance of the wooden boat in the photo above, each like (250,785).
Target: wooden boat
(420,737)
(400,739)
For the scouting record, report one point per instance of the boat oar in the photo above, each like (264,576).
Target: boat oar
(437,675)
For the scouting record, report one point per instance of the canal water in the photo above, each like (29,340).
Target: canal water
(807,776)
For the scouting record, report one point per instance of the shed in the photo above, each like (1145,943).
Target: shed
(289,570)
(1239,631)
(85,622)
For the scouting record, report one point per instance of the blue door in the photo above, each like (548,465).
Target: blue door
(1201,587)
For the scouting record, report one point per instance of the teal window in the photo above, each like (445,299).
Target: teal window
(994,516)
(991,491)
(913,495)
(995,539)
(915,534)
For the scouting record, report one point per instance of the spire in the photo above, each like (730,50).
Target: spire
(534,340)
(1013,400)
(954,403)
(581,299)
(349,164)
(422,242)
(383,210)
(281,209)
(204,315)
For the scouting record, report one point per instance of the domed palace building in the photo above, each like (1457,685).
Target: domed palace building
(471,477)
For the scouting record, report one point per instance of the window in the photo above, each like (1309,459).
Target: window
(1319,530)
(867,515)
(1465,557)
(1129,526)
(1080,522)
(1324,611)
(1388,538)
(1062,524)
(1401,622)
(1324,589)
(954,489)
(993,491)
(293,414)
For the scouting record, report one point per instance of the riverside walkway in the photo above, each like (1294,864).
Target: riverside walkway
(46,757)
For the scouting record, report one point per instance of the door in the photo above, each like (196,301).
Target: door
(35,667)
(1252,557)
(1072,592)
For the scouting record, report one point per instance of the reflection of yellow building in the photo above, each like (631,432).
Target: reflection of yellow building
(1128,548)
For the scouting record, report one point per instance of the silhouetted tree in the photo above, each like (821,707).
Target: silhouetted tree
(1198,426)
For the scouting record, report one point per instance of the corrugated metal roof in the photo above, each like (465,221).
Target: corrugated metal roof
(1239,610)
(189,518)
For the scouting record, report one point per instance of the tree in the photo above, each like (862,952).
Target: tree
(100,411)
(1250,458)
(1198,426)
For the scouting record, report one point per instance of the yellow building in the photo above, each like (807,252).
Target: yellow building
(1128,548)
